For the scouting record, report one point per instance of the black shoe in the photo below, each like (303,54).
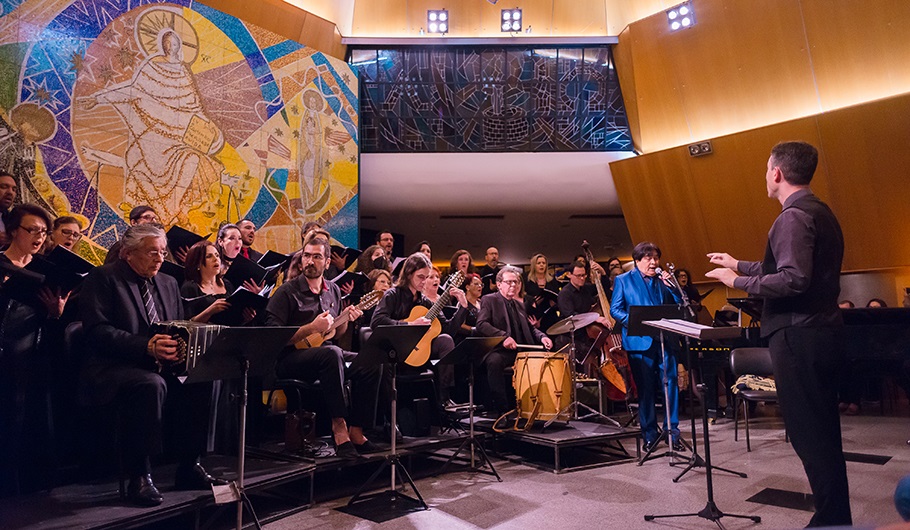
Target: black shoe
(651,446)
(679,446)
(367,447)
(347,451)
(142,491)
(195,477)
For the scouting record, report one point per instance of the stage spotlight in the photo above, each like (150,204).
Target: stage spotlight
(437,21)
(511,20)
(681,16)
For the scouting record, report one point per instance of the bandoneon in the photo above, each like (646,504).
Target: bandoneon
(192,340)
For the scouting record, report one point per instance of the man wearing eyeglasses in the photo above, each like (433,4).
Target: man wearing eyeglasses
(313,304)
(120,302)
(502,314)
(140,215)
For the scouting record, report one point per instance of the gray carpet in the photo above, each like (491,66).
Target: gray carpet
(619,496)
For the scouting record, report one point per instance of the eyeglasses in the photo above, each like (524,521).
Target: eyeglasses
(314,257)
(35,230)
(510,282)
(155,253)
(75,234)
(148,217)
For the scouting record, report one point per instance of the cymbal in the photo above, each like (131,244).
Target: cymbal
(573,322)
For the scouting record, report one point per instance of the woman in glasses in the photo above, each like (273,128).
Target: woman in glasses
(66,233)
(25,448)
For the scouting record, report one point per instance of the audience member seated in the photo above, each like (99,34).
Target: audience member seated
(121,301)
(395,308)
(307,300)
(502,314)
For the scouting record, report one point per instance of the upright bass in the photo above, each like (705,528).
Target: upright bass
(615,367)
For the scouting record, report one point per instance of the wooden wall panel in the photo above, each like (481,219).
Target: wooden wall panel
(586,20)
(621,13)
(661,116)
(867,152)
(380,18)
(288,21)
(622,59)
(722,200)
(660,204)
(860,50)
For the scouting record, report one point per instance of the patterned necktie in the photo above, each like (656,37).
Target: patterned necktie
(149,301)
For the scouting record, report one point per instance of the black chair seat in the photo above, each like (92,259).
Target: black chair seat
(758,395)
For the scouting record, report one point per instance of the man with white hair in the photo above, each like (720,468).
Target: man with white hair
(120,302)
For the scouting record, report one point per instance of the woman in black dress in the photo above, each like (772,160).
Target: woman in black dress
(26,449)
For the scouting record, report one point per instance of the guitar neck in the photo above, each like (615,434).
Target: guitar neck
(434,311)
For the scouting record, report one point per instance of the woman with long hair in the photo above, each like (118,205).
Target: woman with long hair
(539,303)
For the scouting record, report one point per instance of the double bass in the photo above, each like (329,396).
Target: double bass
(615,368)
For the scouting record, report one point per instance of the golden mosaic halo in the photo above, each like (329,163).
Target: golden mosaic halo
(153,21)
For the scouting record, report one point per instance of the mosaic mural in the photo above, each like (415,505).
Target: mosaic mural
(107,104)
(483,99)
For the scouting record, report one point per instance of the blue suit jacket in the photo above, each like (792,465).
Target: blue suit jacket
(631,288)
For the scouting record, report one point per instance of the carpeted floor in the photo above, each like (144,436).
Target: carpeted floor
(621,495)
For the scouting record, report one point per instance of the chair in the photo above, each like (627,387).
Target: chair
(753,361)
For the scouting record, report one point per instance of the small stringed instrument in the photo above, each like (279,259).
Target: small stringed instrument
(421,353)
(314,340)
(615,368)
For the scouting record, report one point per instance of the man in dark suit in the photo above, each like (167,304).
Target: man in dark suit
(799,278)
(120,302)
(643,286)
(502,314)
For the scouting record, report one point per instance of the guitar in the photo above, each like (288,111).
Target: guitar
(421,353)
(314,340)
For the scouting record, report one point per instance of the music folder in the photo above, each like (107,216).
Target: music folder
(358,278)
(350,254)
(240,299)
(23,283)
(242,269)
(272,258)
(173,270)
(695,330)
(181,238)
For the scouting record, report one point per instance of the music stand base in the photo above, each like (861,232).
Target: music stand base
(390,501)
(697,461)
(472,444)
(710,512)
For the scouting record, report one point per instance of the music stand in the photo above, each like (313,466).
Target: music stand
(236,353)
(384,347)
(470,351)
(638,315)
(698,331)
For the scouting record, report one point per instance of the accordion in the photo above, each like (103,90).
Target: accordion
(192,340)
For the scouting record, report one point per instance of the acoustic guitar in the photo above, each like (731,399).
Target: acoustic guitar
(421,353)
(314,340)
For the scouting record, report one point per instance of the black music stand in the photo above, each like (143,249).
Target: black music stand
(470,351)
(710,512)
(638,315)
(237,353)
(384,347)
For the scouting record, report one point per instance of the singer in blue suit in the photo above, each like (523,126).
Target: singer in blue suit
(643,285)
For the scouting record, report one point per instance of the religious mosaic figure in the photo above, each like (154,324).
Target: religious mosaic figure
(169,160)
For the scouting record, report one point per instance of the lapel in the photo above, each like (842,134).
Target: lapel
(133,288)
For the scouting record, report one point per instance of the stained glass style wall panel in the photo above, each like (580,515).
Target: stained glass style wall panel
(490,99)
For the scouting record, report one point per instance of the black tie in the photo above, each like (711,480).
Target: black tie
(517,328)
(149,301)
